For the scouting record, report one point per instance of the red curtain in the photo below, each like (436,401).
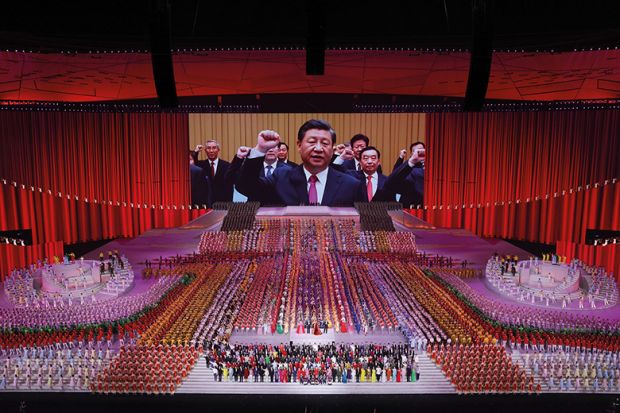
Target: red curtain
(607,256)
(18,257)
(493,158)
(138,158)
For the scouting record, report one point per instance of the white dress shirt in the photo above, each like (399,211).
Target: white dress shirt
(320,183)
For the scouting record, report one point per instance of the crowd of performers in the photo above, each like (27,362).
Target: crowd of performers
(61,322)
(481,368)
(41,368)
(148,342)
(511,322)
(574,369)
(313,364)
(147,369)
(19,285)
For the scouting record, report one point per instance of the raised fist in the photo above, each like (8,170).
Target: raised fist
(267,139)
(198,148)
(339,148)
(243,152)
(347,153)
(418,155)
(402,154)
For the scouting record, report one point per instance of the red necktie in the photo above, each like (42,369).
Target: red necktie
(212,169)
(313,198)
(369,187)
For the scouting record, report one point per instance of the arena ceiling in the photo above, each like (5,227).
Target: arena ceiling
(98,51)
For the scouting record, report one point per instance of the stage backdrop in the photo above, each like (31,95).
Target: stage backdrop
(389,132)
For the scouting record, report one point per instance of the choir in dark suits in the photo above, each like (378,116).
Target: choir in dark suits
(264,174)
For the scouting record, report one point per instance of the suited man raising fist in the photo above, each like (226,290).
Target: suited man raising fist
(216,170)
(313,182)
(408,177)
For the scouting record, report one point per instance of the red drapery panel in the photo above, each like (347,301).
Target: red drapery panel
(489,158)
(138,158)
(602,256)
(76,220)
(131,157)
(18,257)
(73,221)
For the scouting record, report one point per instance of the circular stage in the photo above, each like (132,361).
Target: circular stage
(549,277)
(552,284)
(69,282)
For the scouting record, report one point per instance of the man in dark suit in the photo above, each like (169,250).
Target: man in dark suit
(402,156)
(283,154)
(201,194)
(313,182)
(216,169)
(373,180)
(349,154)
(356,144)
(409,176)
(270,164)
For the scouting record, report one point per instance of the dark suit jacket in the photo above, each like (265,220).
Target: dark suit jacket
(349,165)
(222,188)
(289,163)
(280,164)
(383,193)
(261,174)
(409,182)
(235,170)
(201,186)
(399,162)
(288,186)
